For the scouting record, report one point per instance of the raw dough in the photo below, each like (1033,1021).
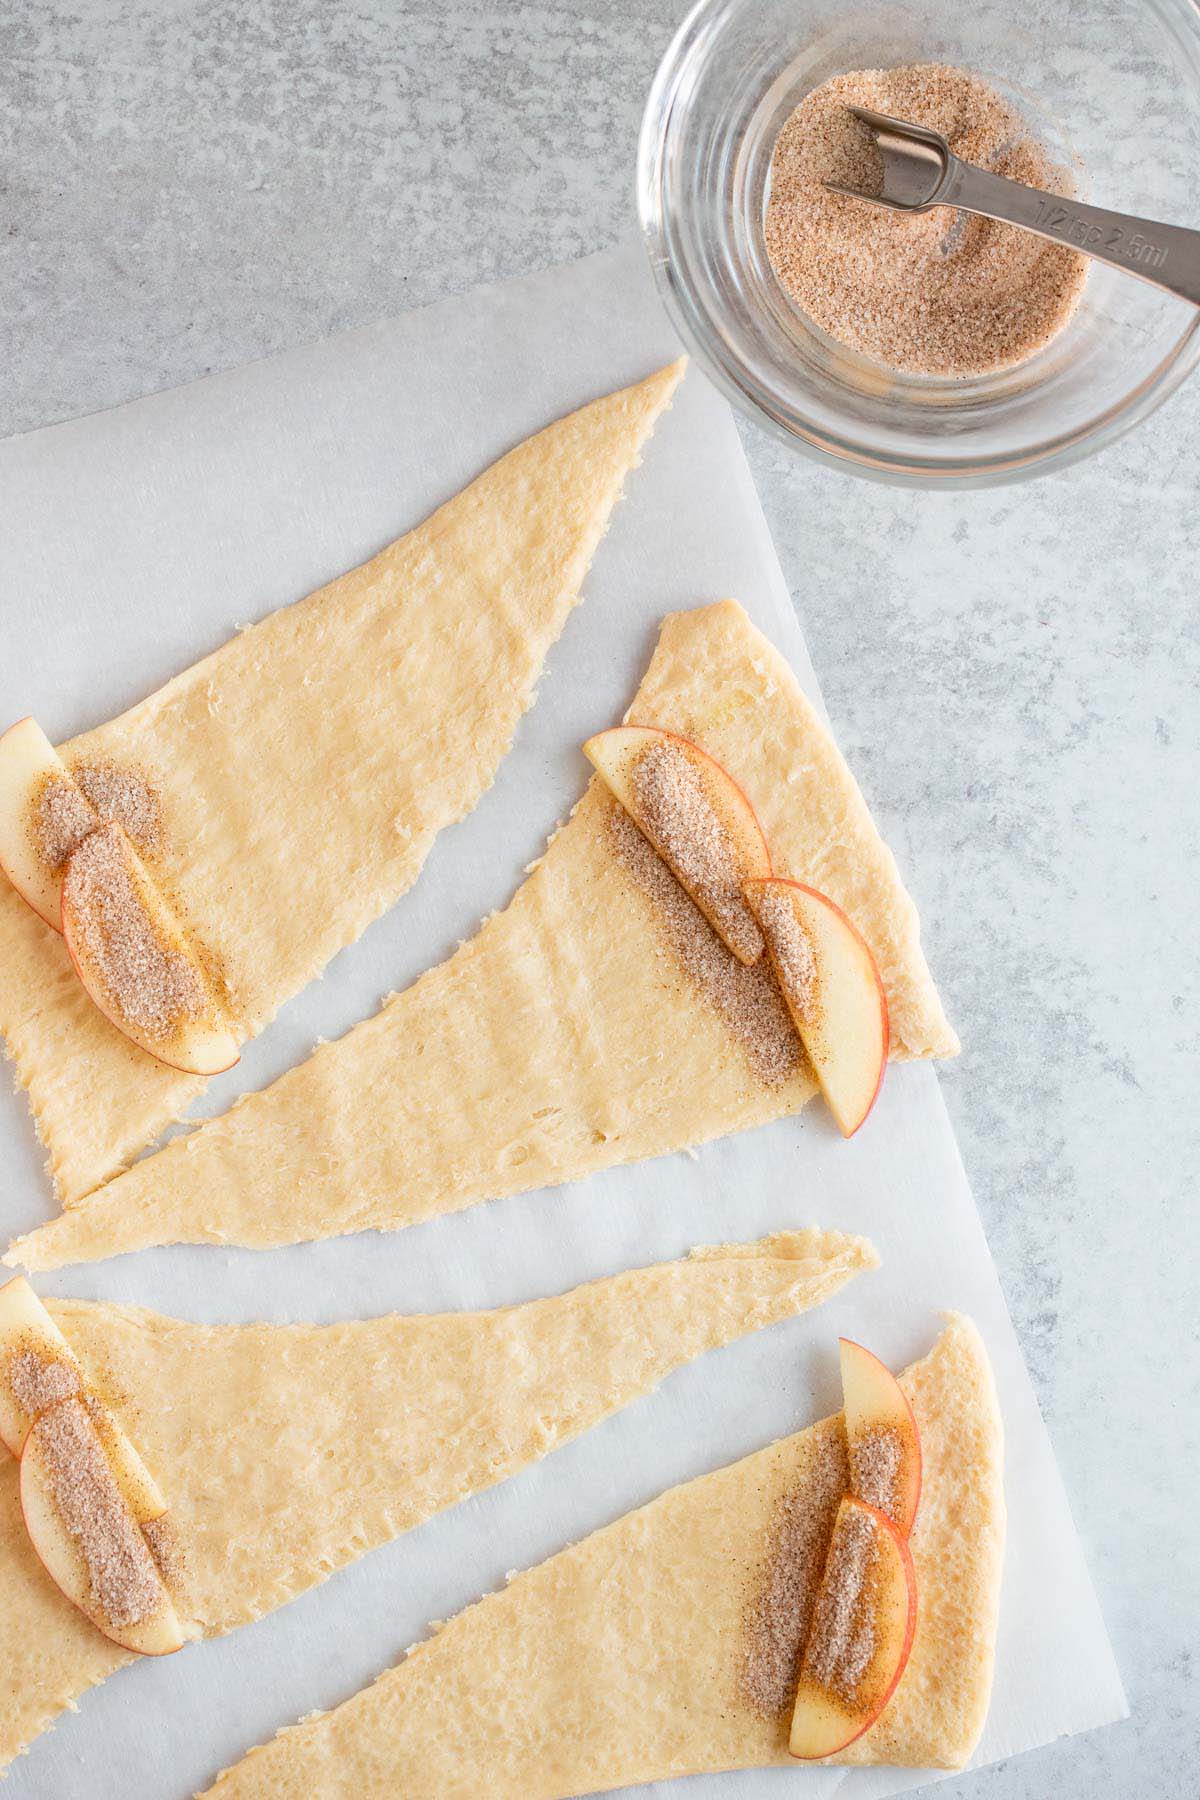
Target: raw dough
(307,766)
(561,1039)
(621,1659)
(238,1424)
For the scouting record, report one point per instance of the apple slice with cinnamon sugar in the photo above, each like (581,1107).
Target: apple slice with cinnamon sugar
(37,1365)
(84,1532)
(134,958)
(37,1369)
(43,815)
(881,1436)
(858,1644)
(829,978)
(697,818)
(91,1507)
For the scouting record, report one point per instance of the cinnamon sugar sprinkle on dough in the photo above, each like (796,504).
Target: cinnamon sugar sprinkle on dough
(747,1000)
(791,949)
(842,1641)
(875,1458)
(39,1379)
(155,987)
(125,1584)
(681,823)
(60,818)
(780,1612)
(123,794)
(937,293)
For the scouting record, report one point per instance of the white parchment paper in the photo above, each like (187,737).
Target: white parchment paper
(135,541)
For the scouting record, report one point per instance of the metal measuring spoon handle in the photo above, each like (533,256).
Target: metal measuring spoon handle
(920,170)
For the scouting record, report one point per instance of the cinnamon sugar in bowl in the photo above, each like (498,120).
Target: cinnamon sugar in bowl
(935,293)
(960,358)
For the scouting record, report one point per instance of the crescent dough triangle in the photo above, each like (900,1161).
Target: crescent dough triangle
(362,720)
(628,1657)
(238,1422)
(561,1039)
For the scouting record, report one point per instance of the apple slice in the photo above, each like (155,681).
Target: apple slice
(43,815)
(697,818)
(882,1436)
(862,1629)
(37,1365)
(37,1369)
(829,978)
(85,1534)
(135,960)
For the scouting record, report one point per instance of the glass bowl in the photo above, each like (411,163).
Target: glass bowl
(1113,88)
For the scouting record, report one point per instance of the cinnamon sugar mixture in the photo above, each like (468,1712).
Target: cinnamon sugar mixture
(777,1620)
(936,293)
(39,1379)
(125,1584)
(842,1642)
(791,949)
(163,1543)
(65,809)
(747,1000)
(688,834)
(875,1458)
(155,987)
(124,795)
(60,818)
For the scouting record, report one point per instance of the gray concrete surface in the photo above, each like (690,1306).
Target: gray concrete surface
(187,184)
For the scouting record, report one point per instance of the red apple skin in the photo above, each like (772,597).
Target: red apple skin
(756,860)
(167,1650)
(892,1407)
(904,1558)
(850,1125)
